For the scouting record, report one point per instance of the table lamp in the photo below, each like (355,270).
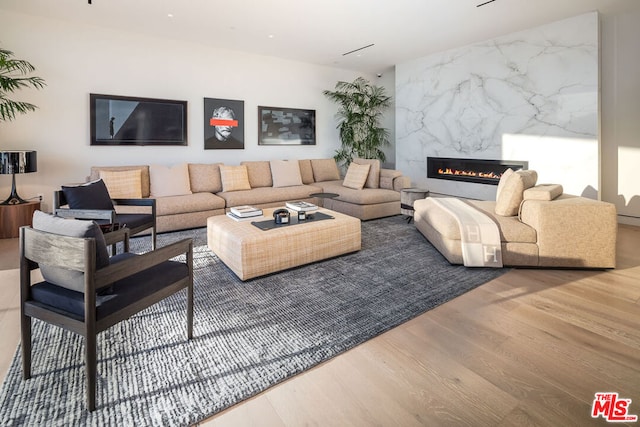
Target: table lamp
(13,162)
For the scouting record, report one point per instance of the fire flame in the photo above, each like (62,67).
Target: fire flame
(450,171)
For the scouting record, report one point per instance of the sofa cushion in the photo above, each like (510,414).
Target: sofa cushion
(123,184)
(356,176)
(205,177)
(92,195)
(259,173)
(325,170)
(366,196)
(70,279)
(271,196)
(306,171)
(543,192)
(196,202)
(511,229)
(234,178)
(373,179)
(169,181)
(511,193)
(144,170)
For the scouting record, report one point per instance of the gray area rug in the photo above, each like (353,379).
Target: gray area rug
(248,336)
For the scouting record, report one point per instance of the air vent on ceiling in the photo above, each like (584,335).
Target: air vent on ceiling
(358,49)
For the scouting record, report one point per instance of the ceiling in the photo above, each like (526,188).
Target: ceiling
(320,31)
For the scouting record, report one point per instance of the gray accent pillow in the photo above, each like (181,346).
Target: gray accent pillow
(63,277)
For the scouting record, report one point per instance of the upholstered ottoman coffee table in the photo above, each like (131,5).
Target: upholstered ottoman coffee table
(251,252)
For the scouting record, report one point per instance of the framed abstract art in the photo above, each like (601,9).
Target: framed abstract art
(223,124)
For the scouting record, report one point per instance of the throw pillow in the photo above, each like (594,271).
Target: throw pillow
(503,179)
(123,184)
(373,180)
(144,171)
(92,195)
(63,277)
(285,173)
(511,194)
(205,178)
(234,178)
(356,176)
(325,170)
(169,181)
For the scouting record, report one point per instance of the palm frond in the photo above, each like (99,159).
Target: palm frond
(13,76)
(360,109)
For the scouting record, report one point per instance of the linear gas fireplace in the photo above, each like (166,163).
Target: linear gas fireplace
(471,170)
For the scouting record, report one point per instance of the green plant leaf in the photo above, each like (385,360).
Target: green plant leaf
(13,76)
(360,109)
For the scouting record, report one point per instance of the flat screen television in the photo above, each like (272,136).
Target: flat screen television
(126,120)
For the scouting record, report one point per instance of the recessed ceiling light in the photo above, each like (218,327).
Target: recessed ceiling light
(169,15)
(271,36)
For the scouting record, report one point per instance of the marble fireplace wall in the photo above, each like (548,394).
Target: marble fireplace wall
(530,95)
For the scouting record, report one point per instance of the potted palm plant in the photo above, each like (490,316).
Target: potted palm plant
(14,76)
(361,106)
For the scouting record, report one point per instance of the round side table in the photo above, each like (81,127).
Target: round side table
(407,197)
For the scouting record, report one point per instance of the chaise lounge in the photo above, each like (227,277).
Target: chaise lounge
(539,226)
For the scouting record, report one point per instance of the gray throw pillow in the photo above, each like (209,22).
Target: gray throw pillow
(63,277)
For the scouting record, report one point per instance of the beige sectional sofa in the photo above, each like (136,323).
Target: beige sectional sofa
(539,227)
(188,194)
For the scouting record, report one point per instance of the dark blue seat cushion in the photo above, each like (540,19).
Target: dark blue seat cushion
(131,220)
(115,297)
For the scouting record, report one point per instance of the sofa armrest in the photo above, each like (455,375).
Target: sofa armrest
(573,231)
(394,180)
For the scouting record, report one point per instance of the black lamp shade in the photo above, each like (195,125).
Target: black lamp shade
(12,162)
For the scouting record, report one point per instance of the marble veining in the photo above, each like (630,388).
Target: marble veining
(541,82)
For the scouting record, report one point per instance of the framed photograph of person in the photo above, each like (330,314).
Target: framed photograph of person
(223,124)
(286,126)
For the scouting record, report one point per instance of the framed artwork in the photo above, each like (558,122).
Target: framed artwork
(127,120)
(223,124)
(286,126)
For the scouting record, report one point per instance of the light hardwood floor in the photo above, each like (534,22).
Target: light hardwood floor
(529,348)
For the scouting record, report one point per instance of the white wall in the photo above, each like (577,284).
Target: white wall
(78,60)
(621,113)
(531,95)
(619,157)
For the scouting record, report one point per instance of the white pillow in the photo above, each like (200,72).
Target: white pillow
(169,181)
(285,173)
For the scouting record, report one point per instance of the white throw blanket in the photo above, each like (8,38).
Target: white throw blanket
(480,236)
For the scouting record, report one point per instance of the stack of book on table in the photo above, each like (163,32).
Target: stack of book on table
(244,213)
(301,206)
